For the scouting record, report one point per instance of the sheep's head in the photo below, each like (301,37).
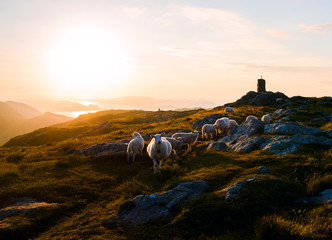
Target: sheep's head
(136,134)
(157,138)
(196,133)
(179,140)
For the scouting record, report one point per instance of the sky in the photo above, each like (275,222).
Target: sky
(212,51)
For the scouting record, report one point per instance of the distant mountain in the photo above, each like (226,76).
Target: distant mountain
(25,110)
(44,120)
(19,118)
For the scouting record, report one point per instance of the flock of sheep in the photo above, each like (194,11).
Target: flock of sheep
(161,147)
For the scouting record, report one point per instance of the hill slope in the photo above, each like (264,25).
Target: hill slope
(89,191)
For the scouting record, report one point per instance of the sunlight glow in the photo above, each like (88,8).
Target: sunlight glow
(86,61)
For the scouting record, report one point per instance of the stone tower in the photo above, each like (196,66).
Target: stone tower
(261,85)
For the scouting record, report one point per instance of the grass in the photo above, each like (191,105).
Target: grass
(90,191)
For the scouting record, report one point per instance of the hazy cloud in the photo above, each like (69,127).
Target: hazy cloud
(133,11)
(285,68)
(277,33)
(316,28)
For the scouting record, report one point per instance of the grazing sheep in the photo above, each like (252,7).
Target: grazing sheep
(229,110)
(188,138)
(266,119)
(222,125)
(176,144)
(135,146)
(251,117)
(158,149)
(209,130)
(232,123)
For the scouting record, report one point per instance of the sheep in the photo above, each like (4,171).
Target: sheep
(176,144)
(232,123)
(209,130)
(229,110)
(251,117)
(188,138)
(266,119)
(135,146)
(222,125)
(158,149)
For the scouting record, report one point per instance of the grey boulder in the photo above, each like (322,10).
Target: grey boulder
(151,207)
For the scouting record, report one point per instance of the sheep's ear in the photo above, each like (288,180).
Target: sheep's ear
(162,134)
(151,136)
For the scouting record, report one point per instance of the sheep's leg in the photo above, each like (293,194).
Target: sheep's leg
(155,166)
(128,155)
(134,156)
(161,163)
(189,147)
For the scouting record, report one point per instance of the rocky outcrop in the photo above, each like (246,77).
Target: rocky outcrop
(145,208)
(208,120)
(282,145)
(291,128)
(21,206)
(218,146)
(240,137)
(102,149)
(260,99)
(283,113)
(323,197)
(234,190)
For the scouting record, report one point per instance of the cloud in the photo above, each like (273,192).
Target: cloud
(279,34)
(220,31)
(222,20)
(284,68)
(133,11)
(319,28)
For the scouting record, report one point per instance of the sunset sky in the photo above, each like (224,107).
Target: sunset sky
(212,50)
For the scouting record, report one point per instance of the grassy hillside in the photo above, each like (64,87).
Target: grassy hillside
(90,191)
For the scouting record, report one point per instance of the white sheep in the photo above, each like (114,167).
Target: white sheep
(158,149)
(229,110)
(209,130)
(251,117)
(188,138)
(232,123)
(135,146)
(266,119)
(176,144)
(222,125)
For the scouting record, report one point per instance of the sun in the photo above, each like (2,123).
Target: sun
(86,61)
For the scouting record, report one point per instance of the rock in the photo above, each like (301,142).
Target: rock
(291,128)
(263,169)
(218,146)
(208,120)
(279,100)
(247,144)
(23,206)
(247,128)
(150,207)
(282,145)
(107,148)
(283,112)
(323,197)
(307,139)
(234,190)
(260,99)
